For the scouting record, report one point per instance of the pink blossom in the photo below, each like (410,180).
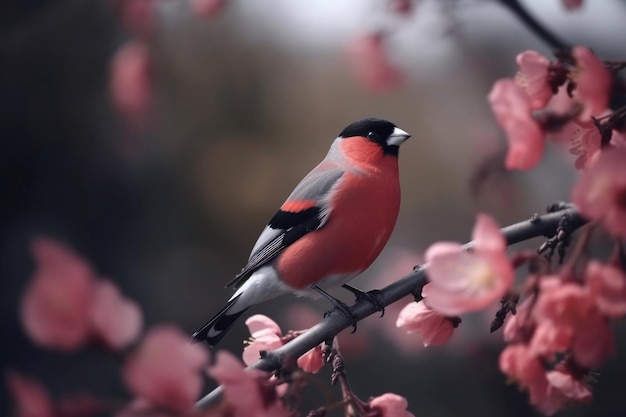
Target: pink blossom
(608,287)
(247,392)
(571,309)
(463,281)
(561,390)
(550,339)
(521,366)
(593,82)
(207,8)
(390,405)
(116,320)
(371,64)
(512,108)
(432,328)
(267,335)
(582,140)
(593,341)
(572,4)
(533,78)
(31,399)
(138,16)
(55,308)
(166,369)
(569,386)
(131,81)
(600,192)
(562,303)
(312,361)
(402,7)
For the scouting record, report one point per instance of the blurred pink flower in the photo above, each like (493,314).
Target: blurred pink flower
(600,192)
(572,4)
(247,392)
(593,82)
(593,341)
(582,139)
(519,326)
(549,339)
(116,320)
(371,64)
(390,405)
(267,335)
(55,307)
(131,81)
(521,366)
(463,281)
(31,399)
(137,16)
(533,78)
(512,109)
(608,287)
(312,361)
(207,8)
(571,309)
(166,370)
(432,327)
(563,303)
(569,386)
(402,7)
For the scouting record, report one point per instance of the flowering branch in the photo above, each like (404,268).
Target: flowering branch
(532,23)
(547,225)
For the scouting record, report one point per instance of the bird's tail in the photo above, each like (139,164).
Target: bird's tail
(220,324)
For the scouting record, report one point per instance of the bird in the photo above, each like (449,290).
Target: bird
(330,229)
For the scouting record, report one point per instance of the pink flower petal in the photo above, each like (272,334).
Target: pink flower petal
(533,78)
(371,64)
(116,320)
(55,308)
(608,286)
(166,369)
(390,405)
(246,391)
(207,8)
(599,192)
(512,108)
(434,329)
(487,235)
(259,322)
(31,399)
(569,386)
(593,82)
(131,81)
(312,361)
(442,248)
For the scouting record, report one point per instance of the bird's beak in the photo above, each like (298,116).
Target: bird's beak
(397,137)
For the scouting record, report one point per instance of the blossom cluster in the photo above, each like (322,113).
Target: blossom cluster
(67,306)
(565,100)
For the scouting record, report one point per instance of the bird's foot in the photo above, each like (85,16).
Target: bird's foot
(338,305)
(373,296)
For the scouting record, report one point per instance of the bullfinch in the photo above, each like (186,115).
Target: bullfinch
(329,230)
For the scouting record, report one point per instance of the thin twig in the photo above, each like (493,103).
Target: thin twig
(334,323)
(533,24)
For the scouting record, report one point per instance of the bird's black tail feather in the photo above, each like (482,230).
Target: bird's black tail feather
(218,326)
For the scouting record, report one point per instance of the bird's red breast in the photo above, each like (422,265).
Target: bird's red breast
(364,209)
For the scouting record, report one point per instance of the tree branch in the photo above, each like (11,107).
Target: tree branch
(533,24)
(545,225)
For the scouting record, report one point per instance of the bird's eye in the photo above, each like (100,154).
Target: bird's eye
(371,135)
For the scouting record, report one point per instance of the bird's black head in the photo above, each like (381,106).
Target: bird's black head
(379,131)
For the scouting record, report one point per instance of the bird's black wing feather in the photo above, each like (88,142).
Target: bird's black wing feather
(294,225)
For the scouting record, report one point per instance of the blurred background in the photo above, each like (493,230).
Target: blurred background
(156,138)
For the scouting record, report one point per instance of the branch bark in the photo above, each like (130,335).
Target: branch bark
(534,25)
(545,225)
